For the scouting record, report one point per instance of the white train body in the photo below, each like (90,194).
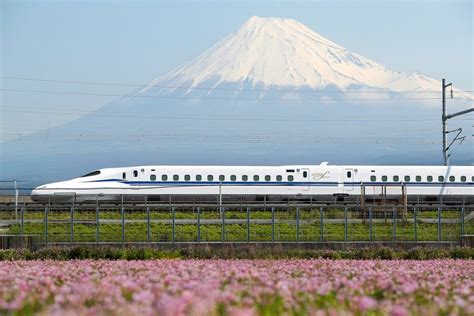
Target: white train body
(274,182)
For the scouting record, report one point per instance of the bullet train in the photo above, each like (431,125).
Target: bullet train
(315,182)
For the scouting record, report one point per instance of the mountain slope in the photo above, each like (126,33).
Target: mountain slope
(273,52)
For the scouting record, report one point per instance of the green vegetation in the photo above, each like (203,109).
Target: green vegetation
(229,252)
(333,226)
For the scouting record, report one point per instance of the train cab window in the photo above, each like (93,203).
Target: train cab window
(198,177)
(396,178)
(290,178)
(135,173)
(349,174)
(175,177)
(245,178)
(233,177)
(407,178)
(221,177)
(305,174)
(164,177)
(90,174)
(153,177)
(256,178)
(124,175)
(440,178)
(279,178)
(452,178)
(187,177)
(429,178)
(373,178)
(418,178)
(463,178)
(384,178)
(268,178)
(210,177)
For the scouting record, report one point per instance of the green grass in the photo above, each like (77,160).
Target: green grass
(285,229)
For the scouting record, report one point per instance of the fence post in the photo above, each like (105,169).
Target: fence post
(148,228)
(223,223)
(46,225)
(173,219)
(415,224)
(298,224)
(72,223)
(22,220)
(248,224)
(321,223)
(16,202)
(97,222)
(439,223)
(198,224)
(462,221)
(345,224)
(394,224)
(273,224)
(122,210)
(370,224)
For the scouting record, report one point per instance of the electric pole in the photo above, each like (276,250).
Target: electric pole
(445,117)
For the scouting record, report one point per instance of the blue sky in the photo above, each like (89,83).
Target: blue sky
(136,41)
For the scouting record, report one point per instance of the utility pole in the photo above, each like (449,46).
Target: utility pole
(445,117)
(445,120)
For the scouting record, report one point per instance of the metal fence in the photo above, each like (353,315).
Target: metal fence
(141,224)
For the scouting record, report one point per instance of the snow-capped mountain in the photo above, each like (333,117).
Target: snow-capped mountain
(283,53)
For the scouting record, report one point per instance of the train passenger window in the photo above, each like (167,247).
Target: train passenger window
(290,178)
(164,177)
(429,178)
(198,177)
(135,173)
(373,178)
(153,177)
(279,178)
(245,178)
(124,175)
(418,178)
(187,177)
(221,177)
(463,178)
(440,178)
(233,177)
(452,178)
(268,178)
(407,178)
(384,178)
(256,178)
(175,177)
(210,177)
(396,178)
(349,174)
(305,174)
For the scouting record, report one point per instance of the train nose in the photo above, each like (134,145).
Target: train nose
(40,194)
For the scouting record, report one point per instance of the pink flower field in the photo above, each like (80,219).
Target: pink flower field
(237,287)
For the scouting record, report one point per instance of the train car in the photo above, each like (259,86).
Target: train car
(315,182)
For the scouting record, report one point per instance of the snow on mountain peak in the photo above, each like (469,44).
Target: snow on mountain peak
(277,52)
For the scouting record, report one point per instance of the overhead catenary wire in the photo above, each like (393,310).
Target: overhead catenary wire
(217,98)
(151,85)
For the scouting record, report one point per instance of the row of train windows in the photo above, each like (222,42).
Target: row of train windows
(198,177)
(419,179)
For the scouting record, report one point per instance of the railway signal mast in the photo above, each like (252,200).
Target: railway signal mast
(445,117)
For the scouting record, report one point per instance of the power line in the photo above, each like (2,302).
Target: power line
(213,98)
(206,88)
(211,118)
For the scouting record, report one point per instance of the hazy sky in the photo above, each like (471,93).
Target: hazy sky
(136,41)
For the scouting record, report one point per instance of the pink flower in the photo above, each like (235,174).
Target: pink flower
(366,303)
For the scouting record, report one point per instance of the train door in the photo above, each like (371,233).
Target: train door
(349,179)
(305,175)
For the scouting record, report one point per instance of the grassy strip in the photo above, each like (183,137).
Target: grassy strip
(247,252)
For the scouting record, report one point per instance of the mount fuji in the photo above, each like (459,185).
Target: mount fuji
(274,92)
(270,54)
